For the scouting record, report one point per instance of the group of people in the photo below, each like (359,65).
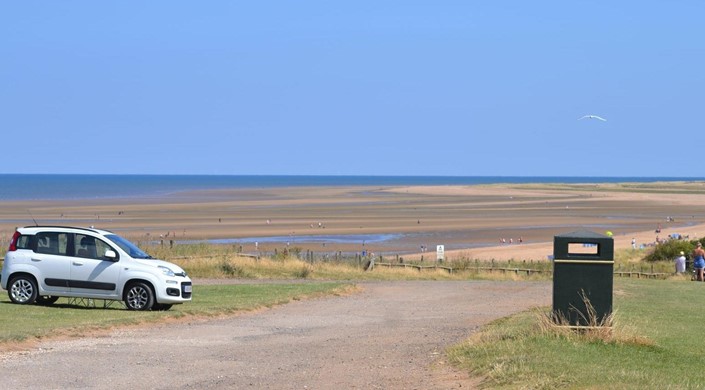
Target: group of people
(698,262)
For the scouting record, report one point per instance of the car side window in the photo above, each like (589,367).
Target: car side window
(52,243)
(90,247)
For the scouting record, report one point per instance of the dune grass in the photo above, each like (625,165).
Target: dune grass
(656,342)
(228,264)
(234,266)
(223,261)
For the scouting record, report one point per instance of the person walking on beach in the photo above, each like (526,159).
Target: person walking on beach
(699,262)
(680,263)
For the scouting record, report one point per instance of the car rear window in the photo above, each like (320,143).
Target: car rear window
(23,242)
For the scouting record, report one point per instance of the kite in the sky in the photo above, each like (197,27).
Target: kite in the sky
(593,117)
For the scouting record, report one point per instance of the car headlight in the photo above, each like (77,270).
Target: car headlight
(166,271)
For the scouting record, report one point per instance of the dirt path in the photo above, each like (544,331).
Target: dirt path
(392,335)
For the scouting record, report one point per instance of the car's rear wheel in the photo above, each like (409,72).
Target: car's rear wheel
(23,289)
(46,299)
(139,296)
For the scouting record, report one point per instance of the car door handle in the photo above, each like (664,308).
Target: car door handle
(36,259)
(77,263)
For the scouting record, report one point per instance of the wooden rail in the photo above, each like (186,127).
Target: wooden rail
(527,271)
(256,257)
(517,271)
(647,275)
(417,267)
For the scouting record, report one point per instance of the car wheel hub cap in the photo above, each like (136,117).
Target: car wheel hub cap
(137,298)
(22,290)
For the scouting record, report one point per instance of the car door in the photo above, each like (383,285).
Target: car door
(50,257)
(92,273)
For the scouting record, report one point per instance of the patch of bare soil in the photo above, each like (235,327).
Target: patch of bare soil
(391,335)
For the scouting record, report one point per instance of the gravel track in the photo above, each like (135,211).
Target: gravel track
(391,335)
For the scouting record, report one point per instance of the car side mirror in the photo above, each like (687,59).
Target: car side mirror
(111,255)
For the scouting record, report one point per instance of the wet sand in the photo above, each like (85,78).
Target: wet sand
(469,220)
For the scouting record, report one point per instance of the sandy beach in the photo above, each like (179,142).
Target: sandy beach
(481,221)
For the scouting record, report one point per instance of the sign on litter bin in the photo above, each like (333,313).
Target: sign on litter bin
(583,273)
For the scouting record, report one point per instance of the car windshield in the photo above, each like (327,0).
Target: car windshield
(127,246)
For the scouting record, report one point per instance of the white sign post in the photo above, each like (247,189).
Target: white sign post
(440,253)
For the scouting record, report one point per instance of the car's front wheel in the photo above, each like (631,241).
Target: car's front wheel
(139,296)
(23,289)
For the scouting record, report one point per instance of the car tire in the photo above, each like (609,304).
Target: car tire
(22,290)
(161,306)
(46,300)
(139,296)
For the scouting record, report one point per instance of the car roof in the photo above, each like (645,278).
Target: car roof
(68,229)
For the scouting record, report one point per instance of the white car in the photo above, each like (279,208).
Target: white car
(44,263)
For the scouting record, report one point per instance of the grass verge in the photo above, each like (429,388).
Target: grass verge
(656,342)
(26,322)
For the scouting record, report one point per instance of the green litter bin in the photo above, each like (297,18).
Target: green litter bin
(583,274)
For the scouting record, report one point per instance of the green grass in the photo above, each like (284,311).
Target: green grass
(24,322)
(656,342)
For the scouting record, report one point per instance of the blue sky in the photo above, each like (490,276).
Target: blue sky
(462,88)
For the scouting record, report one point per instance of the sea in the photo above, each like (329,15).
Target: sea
(79,186)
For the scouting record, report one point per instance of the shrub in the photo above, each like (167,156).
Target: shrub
(232,270)
(671,249)
(304,272)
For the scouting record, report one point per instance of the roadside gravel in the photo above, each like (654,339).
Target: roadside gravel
(391,335)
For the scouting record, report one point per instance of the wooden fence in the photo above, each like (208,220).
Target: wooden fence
(492,268)
(646,275)
(415,266)
(517,271)
(504,270)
